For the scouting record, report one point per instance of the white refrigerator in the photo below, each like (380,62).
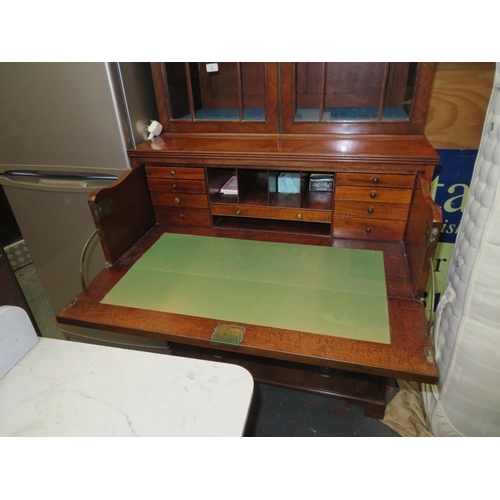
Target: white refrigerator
(64,131)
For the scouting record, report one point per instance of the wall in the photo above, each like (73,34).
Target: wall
(459,99)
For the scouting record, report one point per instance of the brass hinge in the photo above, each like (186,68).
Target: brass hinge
(429,355)
(432,236)
(102,208)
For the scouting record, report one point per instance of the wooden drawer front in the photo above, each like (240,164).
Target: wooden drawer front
(379,180)
(368,229)
(183,216)
(393,211)
(162,199)
(374,195)
(176,185)
(175,172)
(273,213)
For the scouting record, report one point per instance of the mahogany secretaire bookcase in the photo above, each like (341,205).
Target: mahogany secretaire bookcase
(282,221)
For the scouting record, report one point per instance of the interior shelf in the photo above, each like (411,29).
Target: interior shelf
(273,225)
(264,188)
(285,200)
(318,200)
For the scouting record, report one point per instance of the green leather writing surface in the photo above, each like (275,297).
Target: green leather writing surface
(330,291)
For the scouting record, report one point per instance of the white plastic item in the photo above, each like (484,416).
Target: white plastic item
(154,129)
(466,402)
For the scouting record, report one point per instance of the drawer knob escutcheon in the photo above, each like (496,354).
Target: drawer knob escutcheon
(370,210)
(238,212)
(299,216)
(172,173)
(176,200)
(174,186)
(375,180)
(181,216)
(373,194)
(368,230)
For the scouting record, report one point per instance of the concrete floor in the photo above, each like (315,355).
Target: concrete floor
(275,412)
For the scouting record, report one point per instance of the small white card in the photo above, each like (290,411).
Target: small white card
(212,67)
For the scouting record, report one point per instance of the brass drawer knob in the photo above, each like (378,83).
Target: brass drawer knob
(181,216)
(368,230)
(172,173)
(299,216)
(174,186)
(238,212)
(176,200)
(370,210)
(373,195)
(375,180)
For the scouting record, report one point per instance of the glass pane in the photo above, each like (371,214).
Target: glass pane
(216,91)
(253,90)
(307,91)
(400,90)
(178,96)
(353,91)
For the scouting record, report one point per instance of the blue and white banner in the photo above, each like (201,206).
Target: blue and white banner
(450,189)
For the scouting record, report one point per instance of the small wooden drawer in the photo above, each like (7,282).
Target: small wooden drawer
(168,172)
(374,195)
(273,213)
(183,216)
(380,180)
(162,199)
(176,185)
(392,211)
(368,229)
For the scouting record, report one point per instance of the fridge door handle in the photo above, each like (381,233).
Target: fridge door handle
(51,180)
(58,175)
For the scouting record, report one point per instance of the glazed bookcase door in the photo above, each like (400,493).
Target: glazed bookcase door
(223,97)
(355,98)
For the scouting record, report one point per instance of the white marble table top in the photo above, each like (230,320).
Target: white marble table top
(62,388)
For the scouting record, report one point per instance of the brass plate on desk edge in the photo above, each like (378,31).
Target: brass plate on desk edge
(227,335)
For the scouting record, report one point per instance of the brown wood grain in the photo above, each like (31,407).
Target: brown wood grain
(375,179)
(365,228)
(192,160)
(162,199)
(393,211)
(183,216)
(396,154)
(404,357)
(299,214)
(423,216)
(394,360)
(174,172)
(176,185)
(122,213)
(458,102)
(372,194)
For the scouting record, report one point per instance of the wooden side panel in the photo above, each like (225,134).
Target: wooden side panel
(422,234)
(122,213)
